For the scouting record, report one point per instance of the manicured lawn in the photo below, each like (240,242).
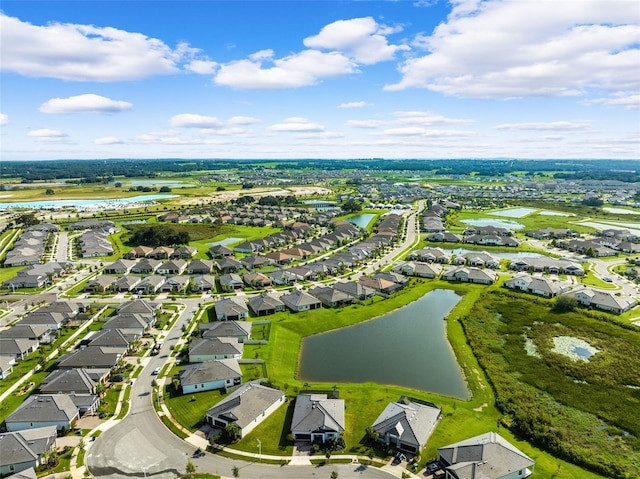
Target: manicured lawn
(189,409)
(272,433)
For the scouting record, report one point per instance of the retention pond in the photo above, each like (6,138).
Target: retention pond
(407,347)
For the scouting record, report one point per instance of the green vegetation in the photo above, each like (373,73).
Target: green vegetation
(584,411)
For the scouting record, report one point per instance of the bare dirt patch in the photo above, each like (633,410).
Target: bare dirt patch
(223,196)
(480,408)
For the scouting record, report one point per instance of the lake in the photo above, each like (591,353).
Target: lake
(226,241)
(362,220)
(633,228)
(79,204)
(322,205)
(498,223)
(407,347)
(514,212)
(621,211)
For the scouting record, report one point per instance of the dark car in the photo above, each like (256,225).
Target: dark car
(432,467)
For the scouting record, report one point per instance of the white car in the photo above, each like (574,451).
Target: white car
(155,372)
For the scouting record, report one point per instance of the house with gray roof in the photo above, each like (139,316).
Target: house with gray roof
(220,251)
(604,300)
(150,284)
(470,275)
(54,321)
(419,269)
(265,304)
(487,456)
(69,381)
(228,265)
(122,266)
(355,289)
(100,283)
(241,330)
(541,286)
(141,306)
(245,407)
(407,425)
(126,283)
(42,410)
(205,283)
(230,282)
(317,418)
(331,297)
(213,349)
(21,450)
(430,255)
(6,366)
(298,301)
(146,266)
(91,357)
(232,308)
(17,348)
(200,266)
(36,332)
(210,375)
(128,324)
(256,280)
(175,284)
(184,252)
(172,267)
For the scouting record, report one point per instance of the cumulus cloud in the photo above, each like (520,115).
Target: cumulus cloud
(354,104)
(202,67)
(4,119)
(243,120)
(426,132)
(88,103)
(426,118)
(362,39)
(263,72)
(365,123)
(296,124)
(108,140)
(190,120)
(47,135)
(172,137)
(498,49)
(76,52)
(548,126)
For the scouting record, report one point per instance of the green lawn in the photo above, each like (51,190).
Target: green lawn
(189,409)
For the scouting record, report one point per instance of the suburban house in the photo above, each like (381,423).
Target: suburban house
(150,284)
(317,418)
(419,269)
(6,366)
(100,284)
(232,308)
(406,425)
(184,252)
(91,357)
(139,252)
(36,332)
(172,267)
(257,280)
(230,282)
(200,266)
(17,348)
(21,450)
(128,324)
(488,456)
(355,289)
(478,259)
(265,304)
(220,251)
(228,265)
(246,407)
(42,410)
(161,252)
(205,283)
(122,266)
(547,265)
(541,286)
(604,300)
(212,349)
(210,375)
(141,306)
(282,277)
(298,301)
(178,283)
(126,283)
(69,381)
(331,297)
(430,255)
(380,285)
(470,275)
(241,330)
(146,266)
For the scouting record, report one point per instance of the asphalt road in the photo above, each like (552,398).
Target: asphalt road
(141,446)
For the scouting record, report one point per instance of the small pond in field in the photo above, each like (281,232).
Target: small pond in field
(514,212)
(407,347)
(361,220)
(498,223)
(226,241)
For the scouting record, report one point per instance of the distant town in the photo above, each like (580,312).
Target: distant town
(454,319)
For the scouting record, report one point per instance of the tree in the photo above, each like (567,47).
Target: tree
(334,474)
(165,189)
(232,432)
(49,191)
(565,303)
(235,471)
(191,467)
(221,188)
(351,206)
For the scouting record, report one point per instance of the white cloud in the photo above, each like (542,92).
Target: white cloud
(502,49)
(202,67)
(301,69)
(362,39)
(190,120)
(77,52)
(235,132)
(425,132)
(243,120)
(4,119)
(47,135)
(296,124)
(549,126)
(630,101)
(354,104)
(426,118)
(323,135)
(88,103)
(365,123)
(108,140)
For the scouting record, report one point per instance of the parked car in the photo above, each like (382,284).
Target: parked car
(155,372)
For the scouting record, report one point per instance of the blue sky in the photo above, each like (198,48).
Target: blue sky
(320,79)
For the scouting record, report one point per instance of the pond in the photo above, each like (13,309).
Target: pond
(226,241)
(407,347)
(362,221)
(92,203)
(321,205)
(498,223)
(553,213)
(514,212)
(633,228)
(621,211)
